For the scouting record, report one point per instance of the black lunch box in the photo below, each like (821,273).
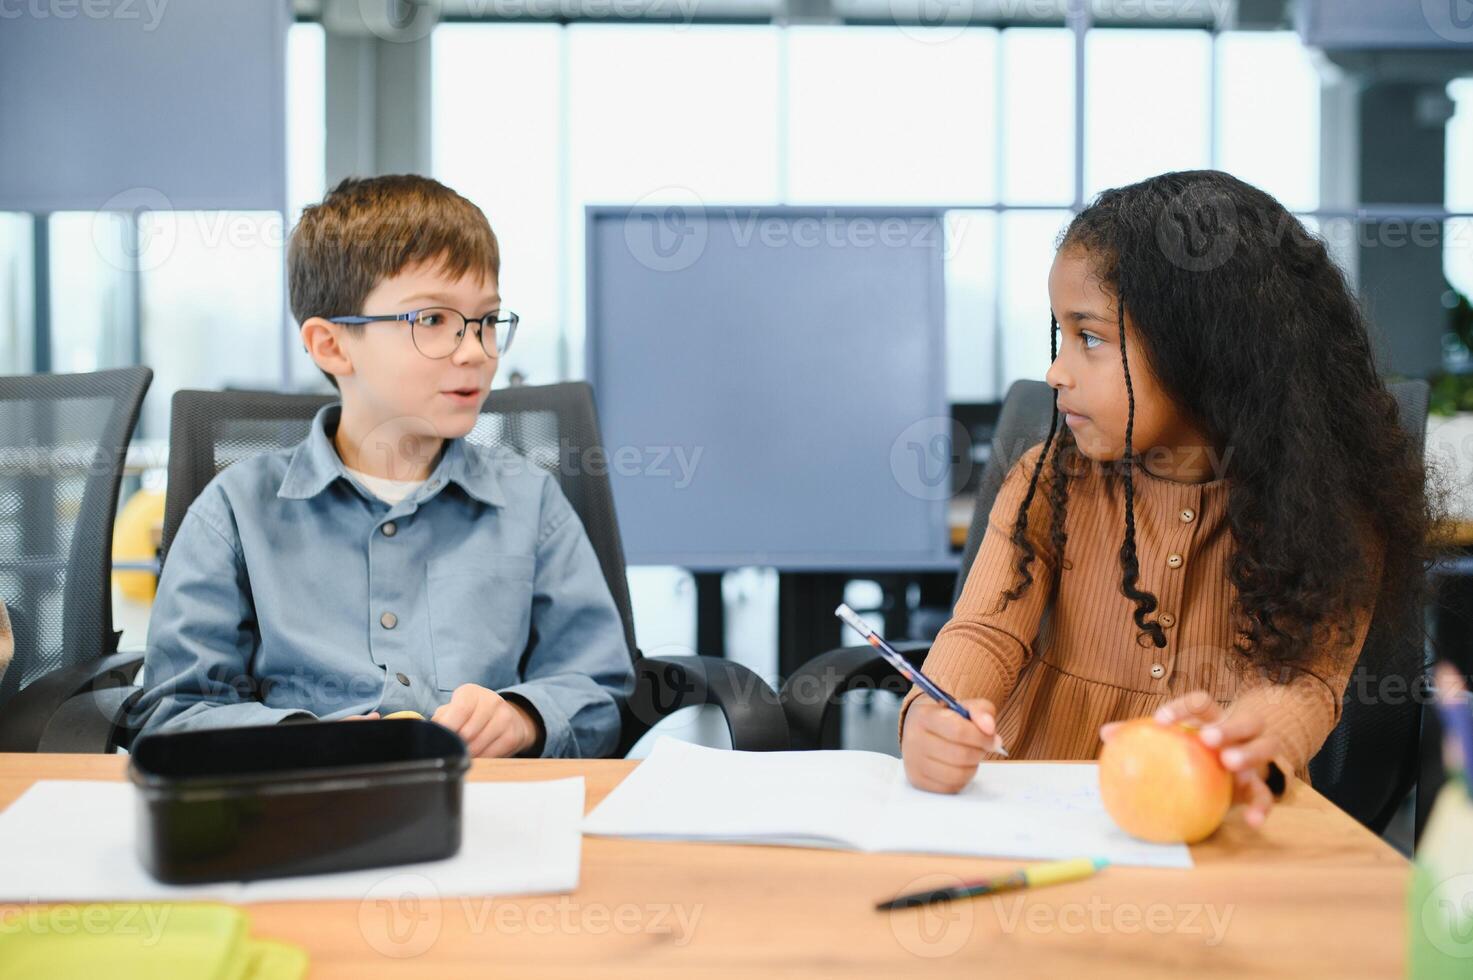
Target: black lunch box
(236,804)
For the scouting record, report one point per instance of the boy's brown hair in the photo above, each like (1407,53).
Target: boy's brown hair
(368,229)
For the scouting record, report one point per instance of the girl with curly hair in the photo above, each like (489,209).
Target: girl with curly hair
(1206,535)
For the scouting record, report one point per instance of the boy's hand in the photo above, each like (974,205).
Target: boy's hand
(942,749)
(490,725)
(1243,743)
(368,717)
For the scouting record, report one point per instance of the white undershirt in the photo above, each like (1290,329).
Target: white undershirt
(389,491)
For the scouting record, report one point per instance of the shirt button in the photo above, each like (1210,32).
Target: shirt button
(402,679)
(1158,671)
(1173,561)
(388,620)
(1187,514)
(1167,620)
(390,529)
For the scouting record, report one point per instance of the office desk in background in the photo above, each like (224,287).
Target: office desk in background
(1313,894)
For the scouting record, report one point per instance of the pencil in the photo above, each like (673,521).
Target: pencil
(912,674)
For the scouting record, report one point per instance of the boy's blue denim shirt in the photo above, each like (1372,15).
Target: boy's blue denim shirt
(292,592)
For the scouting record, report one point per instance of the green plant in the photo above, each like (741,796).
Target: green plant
(1452,391)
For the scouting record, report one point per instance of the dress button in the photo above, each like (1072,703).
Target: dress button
(1187,514)
(1158,671)
(1173,561)
(388,620)
(402,679)
(1167,620)
(390,529)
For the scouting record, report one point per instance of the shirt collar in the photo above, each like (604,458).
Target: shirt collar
(315,464)
(473,469)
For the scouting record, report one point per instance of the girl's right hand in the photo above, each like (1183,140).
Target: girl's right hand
(941,749)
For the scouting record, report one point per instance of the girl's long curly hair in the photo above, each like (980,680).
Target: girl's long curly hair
(1256,336)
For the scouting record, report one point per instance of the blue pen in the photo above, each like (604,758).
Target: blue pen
(1452,708)
(912,674)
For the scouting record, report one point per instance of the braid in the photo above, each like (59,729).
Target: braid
(1061,441)
(1145,602)
(1063,458)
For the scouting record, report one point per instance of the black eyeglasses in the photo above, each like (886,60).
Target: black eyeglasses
(437,331)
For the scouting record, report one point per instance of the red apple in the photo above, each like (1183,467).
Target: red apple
(1161,784)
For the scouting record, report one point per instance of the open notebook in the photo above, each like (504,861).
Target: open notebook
(862,801)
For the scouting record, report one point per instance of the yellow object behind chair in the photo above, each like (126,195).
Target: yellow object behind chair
(136,538)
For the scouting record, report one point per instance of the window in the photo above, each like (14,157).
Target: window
(212,303)
(588,132)
(709,137)
(1147,105)
(953,116)
(973,364)
(93,290)
(306,116)
(873,116)
(212,306)
(872,119)
(306,137)
(196,295)
(1036,82)
(506,157)
(1028,252)
(1268,115)
(1458,239)
(17,323)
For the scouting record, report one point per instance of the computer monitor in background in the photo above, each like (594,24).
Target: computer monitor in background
(771,385)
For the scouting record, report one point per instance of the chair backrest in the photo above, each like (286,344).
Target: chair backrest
(63,442)
(209,430)
(1022,424)
(554,426)
(1368,763)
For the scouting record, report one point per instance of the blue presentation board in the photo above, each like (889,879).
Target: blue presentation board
(771,384)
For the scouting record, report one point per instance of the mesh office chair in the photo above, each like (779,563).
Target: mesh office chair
(546,424)
(63,440)
(1367,764)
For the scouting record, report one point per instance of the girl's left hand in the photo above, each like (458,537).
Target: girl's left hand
(1244,744)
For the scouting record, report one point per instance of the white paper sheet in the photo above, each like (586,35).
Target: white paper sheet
(863,801)
(73,840)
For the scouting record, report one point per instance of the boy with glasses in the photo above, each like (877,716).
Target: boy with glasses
(384,564)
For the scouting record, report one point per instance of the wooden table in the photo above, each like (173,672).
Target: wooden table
(1312,894)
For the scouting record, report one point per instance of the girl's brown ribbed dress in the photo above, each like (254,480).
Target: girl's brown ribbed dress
(1060,662)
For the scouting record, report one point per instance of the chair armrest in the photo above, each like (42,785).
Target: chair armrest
(97,721)
(664,685)
(27,714)
(812,695)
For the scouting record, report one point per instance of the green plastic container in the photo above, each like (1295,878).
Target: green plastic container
(1440,907)
(141,941)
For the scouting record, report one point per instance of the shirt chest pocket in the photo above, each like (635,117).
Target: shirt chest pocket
(480,617)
